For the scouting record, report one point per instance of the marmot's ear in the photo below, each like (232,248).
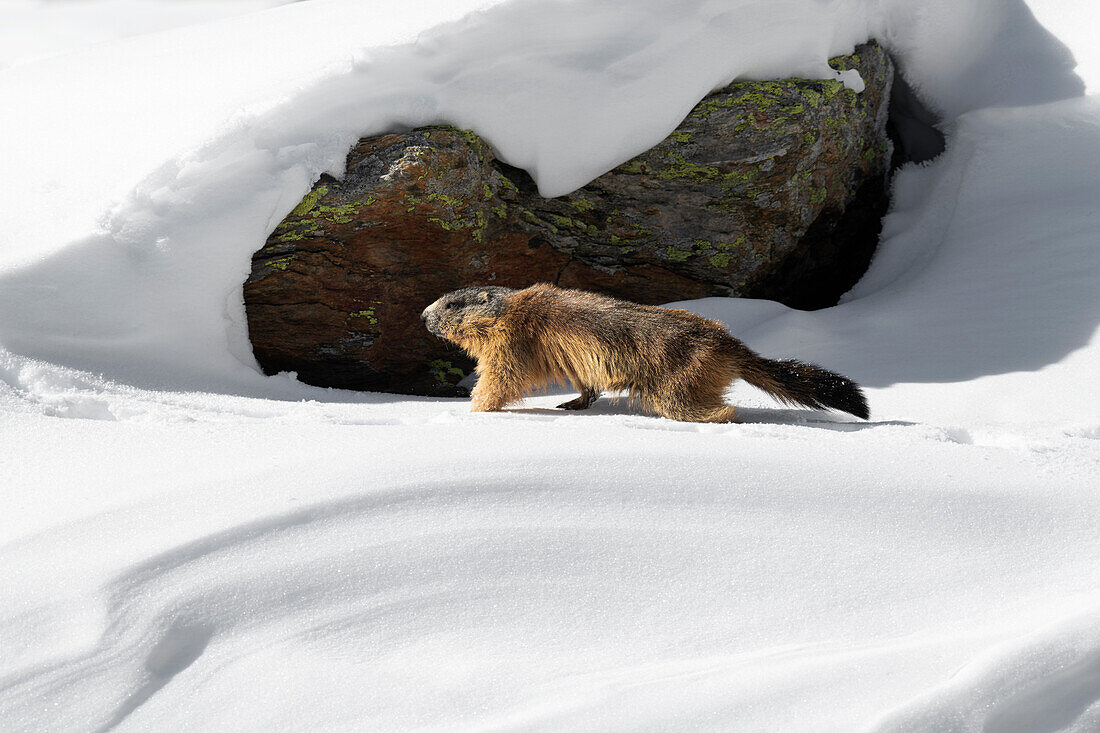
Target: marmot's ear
(484,296)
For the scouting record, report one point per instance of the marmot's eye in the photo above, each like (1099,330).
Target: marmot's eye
(452,304)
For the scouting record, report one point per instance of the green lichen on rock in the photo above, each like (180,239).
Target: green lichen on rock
(319,206)
(477,145)
(450,226)
(481,223)
(759,101)
(749,95)
(476,226)
(831,88)
(280,264)
(741,177)
(677,255)
(844,63)
(368,313)
(309,201)
(286,234)
(337,213)
(446,200)
(718,255)
(445,372)
(679,167)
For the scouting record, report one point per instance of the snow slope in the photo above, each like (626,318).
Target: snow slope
(200,545)
(35,29)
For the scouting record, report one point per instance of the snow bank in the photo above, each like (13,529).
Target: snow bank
(184,539)
(1073,21)
(1047,681)
(35,29)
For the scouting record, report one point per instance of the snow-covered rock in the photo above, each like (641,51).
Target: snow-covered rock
(771,188)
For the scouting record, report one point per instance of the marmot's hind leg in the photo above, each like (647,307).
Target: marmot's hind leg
(725,413)
(699,402)
(587,397)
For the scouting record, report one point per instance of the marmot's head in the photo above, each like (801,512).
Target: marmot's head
(464,316)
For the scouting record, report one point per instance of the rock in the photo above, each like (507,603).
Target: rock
(766,189)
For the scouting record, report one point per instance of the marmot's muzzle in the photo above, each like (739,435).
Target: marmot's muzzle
(431,321)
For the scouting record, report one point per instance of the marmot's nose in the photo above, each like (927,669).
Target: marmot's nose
(424,315)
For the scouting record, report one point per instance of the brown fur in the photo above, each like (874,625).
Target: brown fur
(672,362)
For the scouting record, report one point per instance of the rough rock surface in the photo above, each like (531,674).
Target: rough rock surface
(767,189)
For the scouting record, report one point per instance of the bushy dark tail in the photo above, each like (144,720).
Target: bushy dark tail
(795,383)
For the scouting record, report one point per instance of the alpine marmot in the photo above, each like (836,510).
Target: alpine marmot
(672,362)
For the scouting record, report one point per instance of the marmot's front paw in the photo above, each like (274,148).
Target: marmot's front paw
(480,404)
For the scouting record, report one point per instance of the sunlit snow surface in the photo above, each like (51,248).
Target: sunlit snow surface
(36,29)
(188,544)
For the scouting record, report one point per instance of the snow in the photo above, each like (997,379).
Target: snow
(31,29)
(1073,22)
(187,542)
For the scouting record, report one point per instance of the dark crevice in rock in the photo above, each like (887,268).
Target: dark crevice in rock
(833,254)
(913,127)
(520,178)
(327,363)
